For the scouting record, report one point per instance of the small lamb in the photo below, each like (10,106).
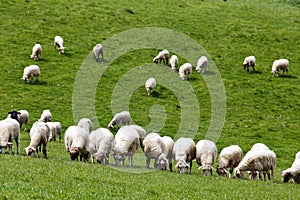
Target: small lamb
(97,50)
(162,56)
(46,116)
(249,61)
(86,123)
(31,71)
(292,172)
(59,42)
(173,62)
(121,118)
(185,70)
(202,64)
(206,155)
(281,64)
(36,51)
(150,85)
(9,131)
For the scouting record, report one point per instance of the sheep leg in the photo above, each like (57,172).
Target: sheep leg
(170,167)
(155,164)
(130,160)
(148,162)
(190,168)
(3,150)
(10,148)
(269,176)
(45,151)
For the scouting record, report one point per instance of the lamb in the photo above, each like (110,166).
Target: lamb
(173,62)
(162,56)
(59,42)
(121,118)
(36,51)
(202,64)
(39,134)
(230,157)
(150,85)
(31,71)
(22,116)
(152,148)
(206,153)
(142,134)
(86,123)
(249,61)
(9,131)
(184,151)
(97,50)
(292,172)
(46,116)
(281,64)
(100,144)
(166,157)
(126,144)
(185,70)
(55,129)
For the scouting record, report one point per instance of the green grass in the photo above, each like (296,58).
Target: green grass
(259,107)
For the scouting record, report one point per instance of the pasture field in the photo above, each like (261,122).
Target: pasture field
(259,107)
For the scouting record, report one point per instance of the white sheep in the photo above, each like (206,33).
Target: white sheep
(185,71)
(31,71)
(249,61)
(9,131)
(293,172)
(230,157)
(100,145)
(281,64)
(206,154)
(86,123)
(55,129)
(162,56)
(166,157)
(46,116)
(97,50)
(202,64)
(121,118)
(259,146)
(36,51)
(150,85)
(142,134)
(39,134)
(126,144)
(152,148)
(24,118)
(184,151)
(59,42)
(173,62)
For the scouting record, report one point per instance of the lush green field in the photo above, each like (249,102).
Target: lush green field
(259,107)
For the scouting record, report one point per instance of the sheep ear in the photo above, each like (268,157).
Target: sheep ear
(176,165)
(199,167)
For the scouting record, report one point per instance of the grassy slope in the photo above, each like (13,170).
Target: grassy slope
(260,108)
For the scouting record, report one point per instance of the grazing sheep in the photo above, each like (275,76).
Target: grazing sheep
(24,119)
(185,70)
(249,61)
(206,154)
(97,50)
(39,134)
(202,64)
(9,131)
(59,42)
(55,129)
(281,64)
(142,134)
(292,172)
(259,146)
(166,157)
(36,51)
(86,124)
(173,62)
(126,144)
(46,116)
(31,71)
(230,157)
(184,151)
(150,85)
(14,115)
(152,148)
(162,56)
(121,118)
(100,145)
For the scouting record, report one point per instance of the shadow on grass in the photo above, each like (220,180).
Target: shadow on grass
(35,82)
(288,76)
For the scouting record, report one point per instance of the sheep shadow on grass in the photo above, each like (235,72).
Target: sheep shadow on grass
(35,82)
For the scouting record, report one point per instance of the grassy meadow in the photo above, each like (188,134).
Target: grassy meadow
(259,107)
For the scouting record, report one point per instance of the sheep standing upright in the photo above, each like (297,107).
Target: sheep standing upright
(162,56)
(185,71)
(22,116)
(9,131)
(249,61)
(55,130)
(230,157)
(97,50)
(166,157)
(206,155)
(86,123)
(184,151)
(36,51)
(292,172)
(150,85)
(121,118)
(59,42)
(202,64)
(46,116)
(173,62)
(31,71)
(281,64)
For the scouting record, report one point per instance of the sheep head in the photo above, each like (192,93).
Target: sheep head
(221,171)
(74,153)
(287,175)
(206,169)
(182,164)
(30,151)
(239,173)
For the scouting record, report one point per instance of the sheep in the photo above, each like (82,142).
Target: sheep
(292,172)
(206,153)
(142,134)
(185,70)
(14,115)
(202,64)
(166,157)
(162,56)
(46,116)
(86,123)
(39,134)
(259,146)
(150,85)
(230,157)
(249,61)
(173,62)
(31,71)
(59,42)
(9,131)
(22,116)
(152,148)
(97,50)
(126,144)
(36,51)
(55,129)
(100,144)
(281,64)
(184,151)
(121,118)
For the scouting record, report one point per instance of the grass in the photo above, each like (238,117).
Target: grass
(259,107)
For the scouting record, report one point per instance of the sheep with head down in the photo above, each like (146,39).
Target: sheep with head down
(173,62)
(206,155)
(281,64)
(31,71)
(59,42)
(185,71)
(120,119)
(150,85)
(97,50)
(202,64)
(86,123)
(165,158)
(162,56)
(9,131)
(36,51)
(293,172)
(142,133)
(249,61)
